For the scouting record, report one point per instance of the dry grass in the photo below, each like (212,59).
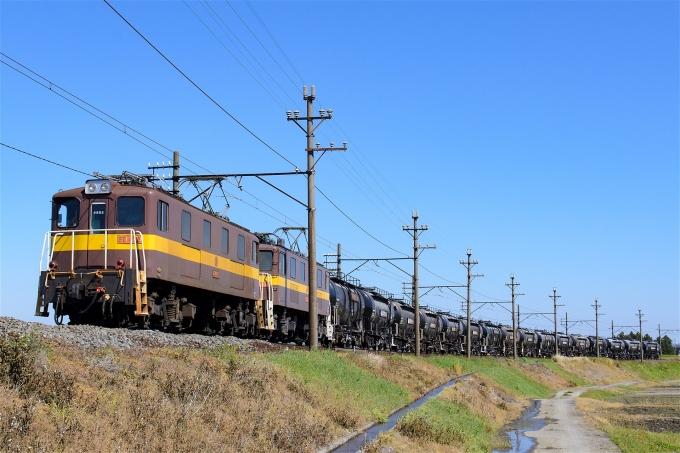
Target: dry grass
(178,400)
(486,399)
(598,371)
(416,376)
(544,375)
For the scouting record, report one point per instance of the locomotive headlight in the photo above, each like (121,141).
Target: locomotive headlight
(97,186)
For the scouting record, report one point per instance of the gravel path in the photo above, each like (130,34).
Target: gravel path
(102,337)
(566,430)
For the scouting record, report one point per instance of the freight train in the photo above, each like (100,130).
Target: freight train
(123,252)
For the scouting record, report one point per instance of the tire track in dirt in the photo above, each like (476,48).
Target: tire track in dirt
(566,429)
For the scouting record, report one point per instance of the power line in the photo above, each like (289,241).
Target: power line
(357,225)
(271,94)
(276,43)
(249,52)
(200,89)
(263,46)
(47,160)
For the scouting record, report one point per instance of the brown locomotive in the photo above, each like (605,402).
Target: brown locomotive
(121,252)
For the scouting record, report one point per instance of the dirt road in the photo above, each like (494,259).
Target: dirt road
(566,430)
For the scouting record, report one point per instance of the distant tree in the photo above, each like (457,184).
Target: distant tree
(667,346)
(647,337)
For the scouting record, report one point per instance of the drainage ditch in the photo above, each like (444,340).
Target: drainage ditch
(354,444)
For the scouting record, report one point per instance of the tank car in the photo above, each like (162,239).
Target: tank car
(493,340)
(545,344)
(651,350)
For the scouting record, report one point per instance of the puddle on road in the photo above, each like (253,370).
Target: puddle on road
(354,444)
(518,440)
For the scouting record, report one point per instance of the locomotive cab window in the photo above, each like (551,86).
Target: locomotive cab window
(241,253)
(130,211)
(282,264)
(303,275)
(68,211)
(293,267)
(186,226)
(266,260)
(206,234)
(98,218)
(162,216)
(225,241)
(319,278)
(254,254)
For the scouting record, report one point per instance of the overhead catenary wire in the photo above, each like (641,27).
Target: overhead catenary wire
(276,43)
(268,89)
(200,89)
(235,119)
(47,160)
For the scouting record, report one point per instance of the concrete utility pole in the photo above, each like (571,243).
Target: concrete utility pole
(566,323)
(417,250)
(469,265)
(554,297)
(175,173)
(311,205)
(518,317)
(512,285)
(612,328)
(659,325)
(597,335)
(640,315)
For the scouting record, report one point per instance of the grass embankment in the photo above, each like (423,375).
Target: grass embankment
(56,398)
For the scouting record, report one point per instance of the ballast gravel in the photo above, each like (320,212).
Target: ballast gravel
(103,337)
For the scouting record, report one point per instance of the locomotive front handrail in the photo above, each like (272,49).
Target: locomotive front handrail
(138,240)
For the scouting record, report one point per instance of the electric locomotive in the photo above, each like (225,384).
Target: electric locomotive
(123,253)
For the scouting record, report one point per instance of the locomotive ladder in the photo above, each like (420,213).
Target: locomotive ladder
(264,306)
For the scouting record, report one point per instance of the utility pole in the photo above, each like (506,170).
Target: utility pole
(597,334)
(566,323)
(518,317)
(417,250)
(512,285)
(642,354)
(469,265)
(554,297)
(311,205)
(612,328)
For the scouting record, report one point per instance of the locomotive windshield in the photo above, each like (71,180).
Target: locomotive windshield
(266,260)
(130,211)
(67,212)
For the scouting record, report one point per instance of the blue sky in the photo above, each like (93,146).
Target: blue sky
(542,135)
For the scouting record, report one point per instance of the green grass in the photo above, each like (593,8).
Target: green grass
(652,370)
(631,440)
(555,368)
(602,395)
(498,370)
(449,423)
(328,374)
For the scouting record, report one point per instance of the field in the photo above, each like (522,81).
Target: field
(637,418)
